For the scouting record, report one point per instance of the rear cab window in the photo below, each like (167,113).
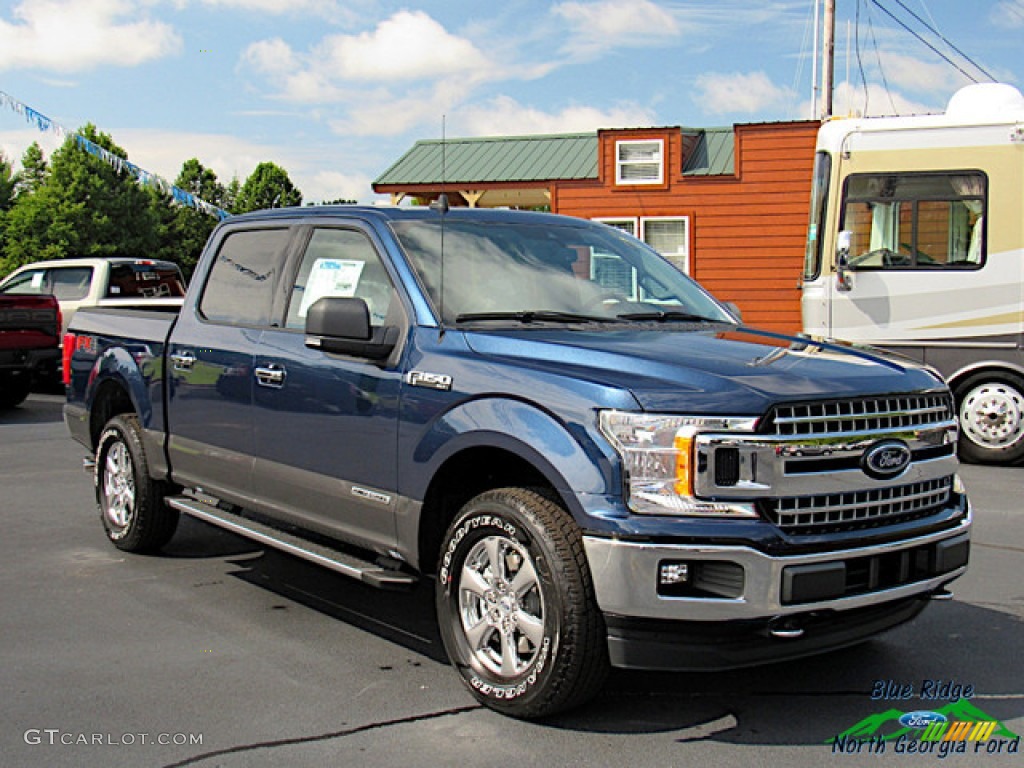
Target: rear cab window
(145,279)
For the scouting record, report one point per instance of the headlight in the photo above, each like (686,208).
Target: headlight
(661,462)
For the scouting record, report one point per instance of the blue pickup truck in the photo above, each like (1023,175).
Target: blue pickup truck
(594,461)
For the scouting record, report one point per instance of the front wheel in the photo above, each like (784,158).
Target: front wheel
(516,606)
(131,502)
(991,410)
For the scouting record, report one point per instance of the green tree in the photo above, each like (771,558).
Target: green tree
(84,207)
(8,181)
(190,229)
(34,169)
(267,187)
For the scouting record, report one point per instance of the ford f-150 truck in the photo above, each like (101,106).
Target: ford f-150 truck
(595,462)
(29,344)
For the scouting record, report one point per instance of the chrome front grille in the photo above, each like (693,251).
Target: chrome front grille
(855,509)
(808,466)
(837,417)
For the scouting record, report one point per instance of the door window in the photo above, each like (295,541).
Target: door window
(340,263)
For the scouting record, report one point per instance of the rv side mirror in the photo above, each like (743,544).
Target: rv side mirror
(844,280)
(341,326)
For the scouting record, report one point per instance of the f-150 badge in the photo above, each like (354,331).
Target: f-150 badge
(439,381)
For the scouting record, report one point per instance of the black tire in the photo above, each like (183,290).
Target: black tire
(14,389)
(990,407)
(131,502)
(526,637)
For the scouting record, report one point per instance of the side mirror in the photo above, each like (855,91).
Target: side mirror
(734,310)
(844,280)
(341,326)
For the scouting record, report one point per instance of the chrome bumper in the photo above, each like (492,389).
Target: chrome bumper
(626,576)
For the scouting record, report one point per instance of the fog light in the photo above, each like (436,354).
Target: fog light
(673,573)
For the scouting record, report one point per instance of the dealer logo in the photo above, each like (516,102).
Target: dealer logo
(886,459)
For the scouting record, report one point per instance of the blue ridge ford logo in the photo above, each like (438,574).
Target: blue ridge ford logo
(886,459)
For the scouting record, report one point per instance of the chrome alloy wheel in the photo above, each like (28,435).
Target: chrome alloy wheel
(992,415)
(501,606)
(118,486)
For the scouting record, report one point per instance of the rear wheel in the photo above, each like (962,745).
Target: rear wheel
(991,410)
(14,388)
(131,502)
(516,607)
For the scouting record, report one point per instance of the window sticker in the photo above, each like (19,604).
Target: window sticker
(37,279)
(331,277)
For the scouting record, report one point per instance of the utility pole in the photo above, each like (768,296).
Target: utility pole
(828,59)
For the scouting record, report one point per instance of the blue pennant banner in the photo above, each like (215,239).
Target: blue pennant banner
(46,125)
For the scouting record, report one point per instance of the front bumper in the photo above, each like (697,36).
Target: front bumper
(826,599)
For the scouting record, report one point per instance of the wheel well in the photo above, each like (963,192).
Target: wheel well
(989,369)
(463,476)
(111,400)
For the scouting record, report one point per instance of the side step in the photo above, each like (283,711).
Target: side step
(340,562)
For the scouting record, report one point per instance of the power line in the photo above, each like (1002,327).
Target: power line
(941,37)
(935,50)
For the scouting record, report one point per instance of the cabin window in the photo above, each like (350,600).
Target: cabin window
(668,235)
(639,161)
(916,220)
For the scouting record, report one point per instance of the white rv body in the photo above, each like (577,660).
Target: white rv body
(932,211)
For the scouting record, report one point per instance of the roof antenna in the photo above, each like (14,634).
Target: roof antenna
(441,206)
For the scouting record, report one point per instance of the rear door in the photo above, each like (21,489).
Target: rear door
(210,356)
(327,425)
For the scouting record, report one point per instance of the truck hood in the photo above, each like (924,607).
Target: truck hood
(737,371)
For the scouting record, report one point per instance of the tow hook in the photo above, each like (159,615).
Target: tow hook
(941,594)
(785,629)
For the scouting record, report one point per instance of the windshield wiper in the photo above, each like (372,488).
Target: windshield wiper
(666,315)
(535,316)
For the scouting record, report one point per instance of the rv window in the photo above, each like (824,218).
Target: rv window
(916,220)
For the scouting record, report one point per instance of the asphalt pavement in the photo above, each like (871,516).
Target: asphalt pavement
(217,653)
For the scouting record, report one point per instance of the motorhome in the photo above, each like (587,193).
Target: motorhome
(916,245)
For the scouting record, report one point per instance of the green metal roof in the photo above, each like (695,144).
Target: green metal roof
(714,153)
(539,158)
(502,158)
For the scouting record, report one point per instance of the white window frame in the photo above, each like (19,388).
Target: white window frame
(639,225)
(615,221)
(620,164)
(682,255)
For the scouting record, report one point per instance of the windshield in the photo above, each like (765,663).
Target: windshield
(548,273)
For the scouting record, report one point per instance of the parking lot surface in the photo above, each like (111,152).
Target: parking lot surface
(218,653)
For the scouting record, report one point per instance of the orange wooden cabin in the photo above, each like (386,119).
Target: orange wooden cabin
(729,206)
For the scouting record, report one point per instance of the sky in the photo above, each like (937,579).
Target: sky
(335,91)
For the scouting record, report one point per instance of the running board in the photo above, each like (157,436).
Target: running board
(337,561)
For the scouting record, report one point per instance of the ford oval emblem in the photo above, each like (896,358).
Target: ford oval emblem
(886,459)
(921,719)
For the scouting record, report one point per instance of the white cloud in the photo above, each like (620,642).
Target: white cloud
(504,116)
(597,26)
(276,7)
(1009,13)
(409,45)
(331,185)
(849,99)
(740,93)
(925,77)
(73,35)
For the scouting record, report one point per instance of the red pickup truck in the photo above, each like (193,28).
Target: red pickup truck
(29,344)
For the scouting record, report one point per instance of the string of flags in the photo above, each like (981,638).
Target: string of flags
(144,177)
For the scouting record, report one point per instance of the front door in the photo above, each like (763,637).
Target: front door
(326,426)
